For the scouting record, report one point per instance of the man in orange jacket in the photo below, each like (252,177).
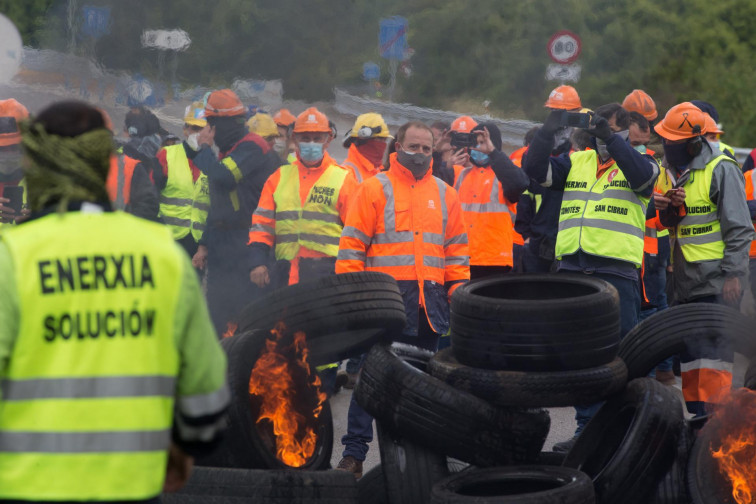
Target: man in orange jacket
(11,172)
(407,223)
(366,142)
(489,189)
(302,209)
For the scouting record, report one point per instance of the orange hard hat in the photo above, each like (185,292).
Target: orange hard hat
(463,124)
(563,98)
(312,120)
(682,121)
(224,103)
(11,113)
(639,101)
(711,126)
(284,118)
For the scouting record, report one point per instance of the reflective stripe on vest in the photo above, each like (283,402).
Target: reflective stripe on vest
(119,180)
(200,206)
(603,216)
(176,197)
(699,233)
(393,237)
(316,226)
(351,166)
(750,179)
(88,392)
(493,205)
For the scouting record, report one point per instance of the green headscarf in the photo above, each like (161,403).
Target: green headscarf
(61,169)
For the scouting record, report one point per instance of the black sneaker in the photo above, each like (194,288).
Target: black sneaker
(564,446)
(341,381)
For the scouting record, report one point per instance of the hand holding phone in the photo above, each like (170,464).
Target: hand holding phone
(11,203)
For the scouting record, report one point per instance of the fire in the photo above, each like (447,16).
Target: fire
(290,394)
(737,454)
(230,329)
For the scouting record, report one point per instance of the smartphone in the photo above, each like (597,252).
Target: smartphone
(16,196)
(576,119)
(463,140)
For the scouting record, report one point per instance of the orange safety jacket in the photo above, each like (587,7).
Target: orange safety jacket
(517,155)
(488,215)
(263,229)
(412,230)
(359,165)
(118,183)
(749,184)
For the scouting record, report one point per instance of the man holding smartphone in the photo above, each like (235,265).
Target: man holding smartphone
(705,205)
(603,213)
(13,206)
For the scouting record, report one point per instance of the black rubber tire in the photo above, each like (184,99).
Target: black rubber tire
(551,458)
(515,485)
(535,323)
(371,488)
(413,404)
(537,389)
(630,443)
(706,485)
(341,315)
(242,446)
(672,488)
(214,485)
(671,331)
(409,470)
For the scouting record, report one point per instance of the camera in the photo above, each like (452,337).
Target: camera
(576,119)
(463,140)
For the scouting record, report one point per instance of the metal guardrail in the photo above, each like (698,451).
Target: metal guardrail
(512,131)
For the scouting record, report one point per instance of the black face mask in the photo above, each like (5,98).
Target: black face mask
(228,131)
(418,163)
(677,154)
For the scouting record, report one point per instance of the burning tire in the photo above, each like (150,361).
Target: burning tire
(630,443)
(535,323)
(247,443)
(671,331)
(518,388)
(409,470)
(209,485)
(342,315)
(515,485)
(413,404)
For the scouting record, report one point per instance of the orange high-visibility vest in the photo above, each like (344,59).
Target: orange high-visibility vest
(119,180)
(488,216)
(749,183)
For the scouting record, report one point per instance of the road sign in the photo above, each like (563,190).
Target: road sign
(564,47)
(563,73)
(96,21)
(392,37)
(10,49)
(371,71)
(175,40)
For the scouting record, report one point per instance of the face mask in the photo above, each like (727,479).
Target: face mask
(10,165)
(280,146)
(417,163)
(192,141)
(640,148)
(310,152)
(715,144)
(373,151)
(478,158)
(624,134)
(603,152)
(677,154)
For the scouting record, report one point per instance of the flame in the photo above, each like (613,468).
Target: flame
(287,403)
(230,329)
(737,454)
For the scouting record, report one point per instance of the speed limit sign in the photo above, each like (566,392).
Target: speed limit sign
(564,47)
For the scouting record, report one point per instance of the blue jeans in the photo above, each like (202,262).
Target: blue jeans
(629,296)
(532,263)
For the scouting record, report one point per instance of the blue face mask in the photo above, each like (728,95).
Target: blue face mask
(640,148)
(478,158)
(310,152)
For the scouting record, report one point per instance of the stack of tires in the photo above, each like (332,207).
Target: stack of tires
(342,316)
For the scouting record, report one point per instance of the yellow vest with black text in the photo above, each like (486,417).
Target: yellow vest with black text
(22,183)
(699,233)
(88,392)
(603,217)
(183,203)
(316,225)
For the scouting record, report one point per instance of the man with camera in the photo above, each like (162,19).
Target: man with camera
(603,214)
(705,205)
(489,185)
